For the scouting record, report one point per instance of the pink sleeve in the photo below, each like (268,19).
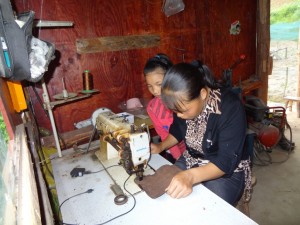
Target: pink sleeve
(158,126)
(177,150)
(162,118)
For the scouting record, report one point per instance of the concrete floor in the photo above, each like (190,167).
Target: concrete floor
(276,196)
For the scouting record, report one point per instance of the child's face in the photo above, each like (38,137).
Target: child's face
(154,80)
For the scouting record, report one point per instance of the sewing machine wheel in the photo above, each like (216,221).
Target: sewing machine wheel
(97,112)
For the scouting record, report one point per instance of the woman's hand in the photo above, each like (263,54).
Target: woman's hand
(156,148)
(181,185)
(165,144)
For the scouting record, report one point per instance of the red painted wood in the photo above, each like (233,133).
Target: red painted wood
(201,31)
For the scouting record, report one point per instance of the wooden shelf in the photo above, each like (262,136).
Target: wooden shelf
(250,85)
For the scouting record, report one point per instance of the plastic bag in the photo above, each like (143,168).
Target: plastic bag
(172,7)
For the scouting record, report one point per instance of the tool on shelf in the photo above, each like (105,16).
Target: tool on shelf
(65,94)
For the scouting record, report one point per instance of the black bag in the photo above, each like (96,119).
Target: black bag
(16,46)
(14,63)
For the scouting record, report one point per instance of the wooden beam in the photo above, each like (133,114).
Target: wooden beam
(116,43)
(298,91)
(250,85)
(263,46)
(28,210)
(69,138)
(43,197)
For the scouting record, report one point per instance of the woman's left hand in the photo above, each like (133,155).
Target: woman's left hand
(181,185)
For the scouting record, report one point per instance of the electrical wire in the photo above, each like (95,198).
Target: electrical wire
(259,148)
(134,203)
(45,160)
(89,172)
(287,142)
(85,192)
(91,190)
(39,148)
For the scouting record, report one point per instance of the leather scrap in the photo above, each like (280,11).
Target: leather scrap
(155,185)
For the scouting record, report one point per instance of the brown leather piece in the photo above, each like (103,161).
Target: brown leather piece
(156,184)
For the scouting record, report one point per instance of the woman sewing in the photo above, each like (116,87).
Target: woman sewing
(212,123)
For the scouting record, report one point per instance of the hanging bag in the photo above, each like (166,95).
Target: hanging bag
(22,56)
(14,60)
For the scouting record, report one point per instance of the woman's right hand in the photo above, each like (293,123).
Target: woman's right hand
(165,144)
(156,148)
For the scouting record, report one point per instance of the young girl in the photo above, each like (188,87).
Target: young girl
(161,116)
(212,123)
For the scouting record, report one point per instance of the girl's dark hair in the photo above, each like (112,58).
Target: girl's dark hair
(158,61)
(183,83)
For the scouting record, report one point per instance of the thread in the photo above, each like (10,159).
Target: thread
(87,80)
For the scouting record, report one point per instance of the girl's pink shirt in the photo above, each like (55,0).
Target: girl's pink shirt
(162,118)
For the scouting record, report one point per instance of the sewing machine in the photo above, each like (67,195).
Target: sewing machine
(124,140)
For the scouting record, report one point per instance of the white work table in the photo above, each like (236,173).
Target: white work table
(98,207)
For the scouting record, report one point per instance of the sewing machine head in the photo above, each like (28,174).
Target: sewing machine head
(130,142)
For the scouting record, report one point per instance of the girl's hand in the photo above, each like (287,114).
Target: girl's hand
(155,148)
(181,185)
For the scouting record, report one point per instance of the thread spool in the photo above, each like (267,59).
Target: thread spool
(87,81)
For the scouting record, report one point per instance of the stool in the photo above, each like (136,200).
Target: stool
(289,103)
(243,203)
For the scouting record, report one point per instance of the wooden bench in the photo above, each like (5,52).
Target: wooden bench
(289,103)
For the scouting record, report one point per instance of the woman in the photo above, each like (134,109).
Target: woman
(161,116)
(212,123)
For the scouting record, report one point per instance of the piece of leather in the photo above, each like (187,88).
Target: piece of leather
(156,184)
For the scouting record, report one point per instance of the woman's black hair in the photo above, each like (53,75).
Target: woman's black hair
(158,61)
(183,83)
(209,78)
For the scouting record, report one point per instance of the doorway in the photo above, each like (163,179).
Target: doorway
(284,49)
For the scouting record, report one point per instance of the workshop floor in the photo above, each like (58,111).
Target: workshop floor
(276,196)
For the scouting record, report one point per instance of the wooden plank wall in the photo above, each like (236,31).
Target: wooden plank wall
(201,31)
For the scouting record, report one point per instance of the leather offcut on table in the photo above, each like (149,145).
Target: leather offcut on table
(156,184)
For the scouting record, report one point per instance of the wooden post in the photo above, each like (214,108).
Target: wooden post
(263,46)
(298,92)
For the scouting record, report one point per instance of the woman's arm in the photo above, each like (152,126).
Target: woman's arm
(165,144)
(182,184)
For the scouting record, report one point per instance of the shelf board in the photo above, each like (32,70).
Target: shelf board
(250,85)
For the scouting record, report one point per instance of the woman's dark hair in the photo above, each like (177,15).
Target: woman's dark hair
(158,61)
(183,83)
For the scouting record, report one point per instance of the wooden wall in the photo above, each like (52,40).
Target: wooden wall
(201,31)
